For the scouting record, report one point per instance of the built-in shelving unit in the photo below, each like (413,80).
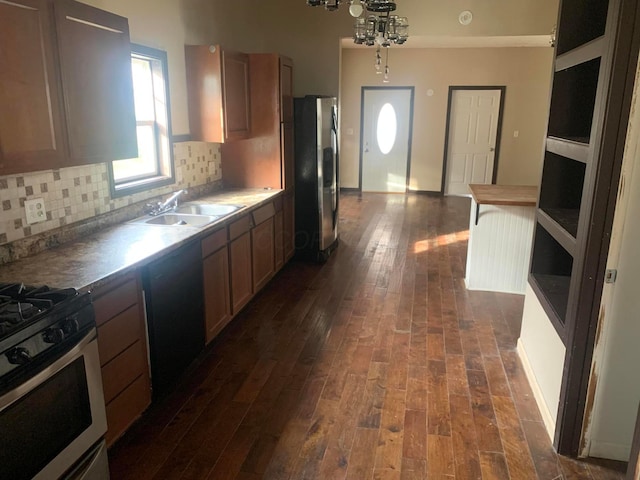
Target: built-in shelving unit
(571,156)
(596,59)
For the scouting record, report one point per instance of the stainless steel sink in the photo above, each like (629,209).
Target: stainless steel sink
(217,209)
(175,219)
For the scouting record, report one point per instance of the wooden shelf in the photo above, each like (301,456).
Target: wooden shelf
(552,292)
(560,223)
(574,148)
(579,55)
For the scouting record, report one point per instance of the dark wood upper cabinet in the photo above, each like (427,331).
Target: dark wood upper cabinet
(266,159)
(218,93)
(66,94)
(236,97)
(95,59)
(286,90)
(31,127)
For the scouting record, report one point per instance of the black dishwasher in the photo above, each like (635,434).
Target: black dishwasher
(175,314)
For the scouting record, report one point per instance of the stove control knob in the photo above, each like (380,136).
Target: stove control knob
(53,335)
(18,356)
(70,326)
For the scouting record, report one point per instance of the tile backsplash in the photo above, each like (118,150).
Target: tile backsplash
(76,194)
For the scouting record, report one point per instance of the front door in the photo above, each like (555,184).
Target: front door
(473,131)
(386,133)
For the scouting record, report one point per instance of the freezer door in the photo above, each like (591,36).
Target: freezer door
(327,187)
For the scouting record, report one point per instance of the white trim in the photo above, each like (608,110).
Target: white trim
(547,418)
(612,451)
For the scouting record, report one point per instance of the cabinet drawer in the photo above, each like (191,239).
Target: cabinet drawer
(263,213)
(239,227)
(214,242)
(123,370)
(127,407)
(119,333)
(115,301)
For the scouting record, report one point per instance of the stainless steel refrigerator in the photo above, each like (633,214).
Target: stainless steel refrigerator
(317,177)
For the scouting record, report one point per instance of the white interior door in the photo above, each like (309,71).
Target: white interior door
(473,128)
(386,125)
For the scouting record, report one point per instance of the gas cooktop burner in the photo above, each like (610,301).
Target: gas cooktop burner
(21,303)
(38,324)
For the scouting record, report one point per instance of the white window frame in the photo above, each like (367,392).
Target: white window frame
(164,165)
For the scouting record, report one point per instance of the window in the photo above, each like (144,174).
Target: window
(154,165)
(387,128)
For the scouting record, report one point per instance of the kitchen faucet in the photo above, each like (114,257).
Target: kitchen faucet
(170,203)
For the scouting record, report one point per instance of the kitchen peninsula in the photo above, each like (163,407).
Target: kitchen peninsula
(500,235)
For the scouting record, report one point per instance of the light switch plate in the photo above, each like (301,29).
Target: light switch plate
(35,210)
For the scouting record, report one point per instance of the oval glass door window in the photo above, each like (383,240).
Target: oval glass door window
(387,128)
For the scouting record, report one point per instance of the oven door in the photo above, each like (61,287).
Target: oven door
(50,421)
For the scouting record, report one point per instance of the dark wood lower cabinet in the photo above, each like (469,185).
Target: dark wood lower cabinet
(122,343)
(240,266)
(262,253)
(278,228)
(289,230)
(217,304)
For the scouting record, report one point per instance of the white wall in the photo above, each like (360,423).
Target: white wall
(542,354)
(526,73)
(311,36)
(615,373)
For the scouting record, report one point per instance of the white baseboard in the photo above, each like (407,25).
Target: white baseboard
(547,418)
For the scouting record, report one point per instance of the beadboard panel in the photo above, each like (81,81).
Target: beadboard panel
(499,248)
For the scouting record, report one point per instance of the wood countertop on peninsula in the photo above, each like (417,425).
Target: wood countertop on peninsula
(517,195)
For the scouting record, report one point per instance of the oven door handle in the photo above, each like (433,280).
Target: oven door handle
(50,370)
(94,467)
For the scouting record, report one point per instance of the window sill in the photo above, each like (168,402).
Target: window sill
(138,186)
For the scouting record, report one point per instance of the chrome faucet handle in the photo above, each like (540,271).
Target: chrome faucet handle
(172,202)
(152,208)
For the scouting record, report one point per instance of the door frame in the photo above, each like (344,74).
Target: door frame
(410,138)
(496,156)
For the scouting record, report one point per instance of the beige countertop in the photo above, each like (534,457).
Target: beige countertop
(518,195)
(98,258)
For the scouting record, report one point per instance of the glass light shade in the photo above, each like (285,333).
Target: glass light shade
(356,8)
(402,30)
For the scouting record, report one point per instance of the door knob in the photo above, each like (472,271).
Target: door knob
(491,149)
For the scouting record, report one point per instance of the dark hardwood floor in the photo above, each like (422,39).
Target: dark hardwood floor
(377,365)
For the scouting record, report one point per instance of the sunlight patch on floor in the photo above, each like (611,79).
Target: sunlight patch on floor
(422,246)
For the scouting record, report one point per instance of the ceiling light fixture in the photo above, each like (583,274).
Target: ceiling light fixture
(378,28)
(358,5)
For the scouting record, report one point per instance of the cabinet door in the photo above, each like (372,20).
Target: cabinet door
(286,90)
(278,227)
(122,343)
(95,60)
(289,226)
(240,271)
(31,124)
(236,99)
(288,156)
(263,253)
(217,305)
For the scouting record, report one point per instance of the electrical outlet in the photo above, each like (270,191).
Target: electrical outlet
(35,210)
